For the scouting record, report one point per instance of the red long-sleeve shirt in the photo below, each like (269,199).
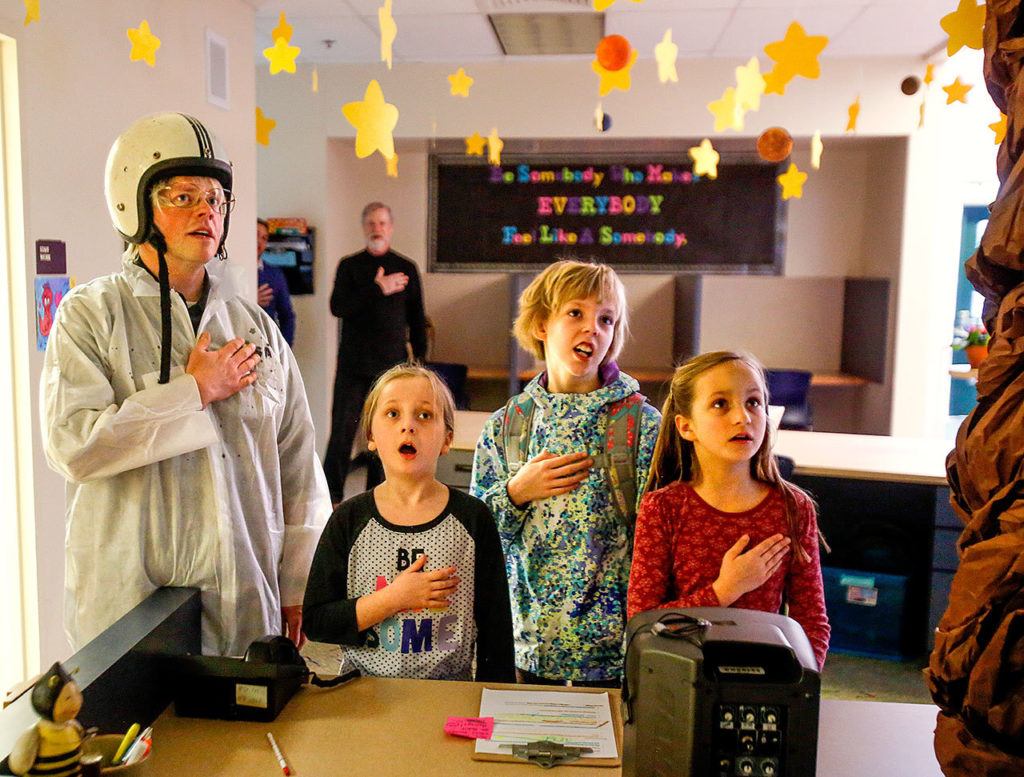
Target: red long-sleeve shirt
(680,542)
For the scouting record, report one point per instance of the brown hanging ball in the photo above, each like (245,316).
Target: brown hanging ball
(910,85)
(774,144)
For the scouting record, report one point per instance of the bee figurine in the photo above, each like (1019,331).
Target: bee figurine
(54,745)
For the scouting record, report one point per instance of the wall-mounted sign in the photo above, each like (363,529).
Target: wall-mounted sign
(51,257)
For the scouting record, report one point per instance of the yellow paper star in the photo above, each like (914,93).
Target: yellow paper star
(956,92)
(460,82)
(775,81)
(792,182)
(475,144)
(391,166)
(727,112)
(999,128)
(144,44)
(614,79)
(929,74)
(282,30)
(705,159)
(599,117)
(920,115)
(600,5)
(31,11)
(388,31)
(315,81)
(264,124)
(281,56)
(964,26)
(852,114)
(494,147)
(749,85)
(816,148)
(374,121)
(797,53)
(666,53)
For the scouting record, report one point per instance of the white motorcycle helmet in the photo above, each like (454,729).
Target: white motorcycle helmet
(154,148)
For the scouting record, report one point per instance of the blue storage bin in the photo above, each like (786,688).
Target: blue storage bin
(866,612)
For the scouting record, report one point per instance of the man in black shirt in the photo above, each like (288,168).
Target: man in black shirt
(377,296)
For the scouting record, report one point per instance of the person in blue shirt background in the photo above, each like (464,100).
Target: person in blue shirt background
(272,294)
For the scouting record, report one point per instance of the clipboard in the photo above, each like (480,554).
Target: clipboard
(613,703)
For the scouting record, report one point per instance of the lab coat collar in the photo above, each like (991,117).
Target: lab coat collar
(225,278)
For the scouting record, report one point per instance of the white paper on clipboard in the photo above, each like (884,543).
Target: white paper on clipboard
(577,719)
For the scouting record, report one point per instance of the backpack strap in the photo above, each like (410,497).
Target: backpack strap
(515,430)
(618,459)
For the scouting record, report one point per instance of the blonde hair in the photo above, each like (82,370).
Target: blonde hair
(560,282)
(675,458)
(442,394)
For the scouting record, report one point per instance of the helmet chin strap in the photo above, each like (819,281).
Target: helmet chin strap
(156,239)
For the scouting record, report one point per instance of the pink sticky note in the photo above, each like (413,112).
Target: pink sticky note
(472,728)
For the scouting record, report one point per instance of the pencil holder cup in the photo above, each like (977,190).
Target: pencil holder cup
(106,745)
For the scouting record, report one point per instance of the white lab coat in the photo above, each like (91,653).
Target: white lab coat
(230,499)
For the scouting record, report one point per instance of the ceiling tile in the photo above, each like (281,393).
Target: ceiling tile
(694,31)
(354,41)
(893,30)
(444,38)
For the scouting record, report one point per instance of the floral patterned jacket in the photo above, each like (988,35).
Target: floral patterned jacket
(567,556)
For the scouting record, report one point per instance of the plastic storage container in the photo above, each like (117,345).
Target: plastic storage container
(866,612)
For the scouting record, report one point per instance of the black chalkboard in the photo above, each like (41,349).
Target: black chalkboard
(644,214)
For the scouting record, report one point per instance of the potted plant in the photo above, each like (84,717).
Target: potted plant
(973,341)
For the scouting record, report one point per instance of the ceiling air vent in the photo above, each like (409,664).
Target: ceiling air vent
(544,27)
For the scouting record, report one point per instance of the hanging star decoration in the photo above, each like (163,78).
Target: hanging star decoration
(727,112)
(929,74)
(374,120)
(282,30)
(388,31)
(391,166)
(852,114)
(795,55)
(494,147)
(281,56)
(315,81)
(144,44)
(614,79)
(665,54)
(956,92)
(475,144)
(792,182)
(999,128)
(749,85)
(31,11)
(964,26)
(264,125)
(705,159)
(460,83)
(816,148)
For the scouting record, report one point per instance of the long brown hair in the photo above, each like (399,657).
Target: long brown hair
(675,459)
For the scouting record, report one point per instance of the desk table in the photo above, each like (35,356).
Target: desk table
(377,726)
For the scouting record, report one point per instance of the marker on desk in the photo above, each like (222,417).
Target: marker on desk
(277,752)
(133,731)
(140,747)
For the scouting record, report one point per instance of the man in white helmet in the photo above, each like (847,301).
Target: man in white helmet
(176,411)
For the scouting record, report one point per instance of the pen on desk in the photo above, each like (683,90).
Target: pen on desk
(133,731)
(139,747)
(286,770)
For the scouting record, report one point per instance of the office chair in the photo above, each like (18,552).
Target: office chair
(454,375)
(790,388)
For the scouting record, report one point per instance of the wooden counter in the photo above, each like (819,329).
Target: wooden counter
(376,726)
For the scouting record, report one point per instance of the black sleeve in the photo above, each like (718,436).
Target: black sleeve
(328,614)
(415,316)
(495,655)
(350,298)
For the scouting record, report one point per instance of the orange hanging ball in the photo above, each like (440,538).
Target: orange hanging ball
(613,52)
(774,144)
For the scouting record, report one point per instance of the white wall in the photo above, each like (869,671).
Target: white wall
(830,229)
(78,91)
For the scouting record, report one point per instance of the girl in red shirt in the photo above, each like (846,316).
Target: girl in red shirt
(719,527)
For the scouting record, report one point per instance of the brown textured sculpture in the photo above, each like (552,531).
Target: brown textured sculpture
(976,672)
